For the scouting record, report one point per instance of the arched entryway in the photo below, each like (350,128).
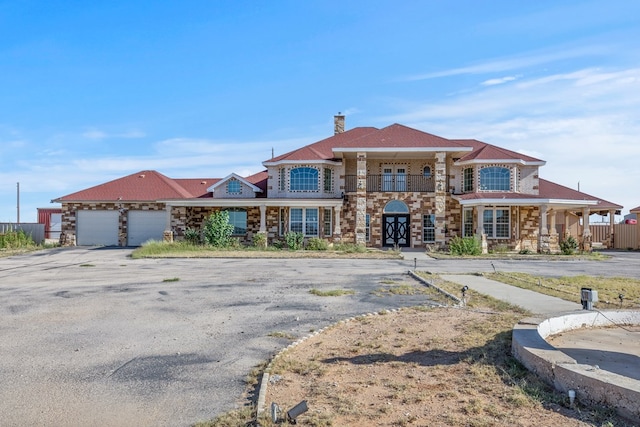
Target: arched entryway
(396,224)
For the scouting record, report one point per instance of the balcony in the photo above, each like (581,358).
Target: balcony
(392,183)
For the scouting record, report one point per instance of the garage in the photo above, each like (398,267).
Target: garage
(145,225)
(97,228)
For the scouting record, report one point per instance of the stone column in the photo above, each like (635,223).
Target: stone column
(441,197)
(263,219)
(337,229)
(543,231)
(567,232)
(361,199)
(586,231)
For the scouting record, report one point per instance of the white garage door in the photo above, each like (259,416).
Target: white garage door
(145,225)
(98,228)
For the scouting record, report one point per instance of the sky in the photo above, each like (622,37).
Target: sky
(91,91)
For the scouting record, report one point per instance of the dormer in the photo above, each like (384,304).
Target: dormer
(233,186)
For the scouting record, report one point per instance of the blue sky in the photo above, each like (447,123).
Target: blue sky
(94,90)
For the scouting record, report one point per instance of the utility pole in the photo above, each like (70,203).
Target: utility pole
(18,208)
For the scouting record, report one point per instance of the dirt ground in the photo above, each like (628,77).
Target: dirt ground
(420,367)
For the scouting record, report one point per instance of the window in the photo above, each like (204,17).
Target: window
(429,228)
(396,206)
(467,222)
(394,178)
(367,228)
(426,171)
(283,181)
(233,187)
(495,178)
(467,184)
(328,180)
(303,179)
(495,222)
(238,218)
(327,222)
(304,220)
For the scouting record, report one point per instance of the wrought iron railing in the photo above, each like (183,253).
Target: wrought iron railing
(392,183)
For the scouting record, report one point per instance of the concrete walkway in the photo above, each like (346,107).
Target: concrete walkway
(535,302)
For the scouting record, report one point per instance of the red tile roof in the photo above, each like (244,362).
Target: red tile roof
(146,185)
(323,150)
(484,151)
(547,191)
(400,136)
(551,190)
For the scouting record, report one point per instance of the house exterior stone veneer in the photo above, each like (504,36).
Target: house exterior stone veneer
(356,174)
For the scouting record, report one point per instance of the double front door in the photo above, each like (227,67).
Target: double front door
(395,230)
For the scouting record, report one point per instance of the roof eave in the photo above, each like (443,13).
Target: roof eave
(297,162)
(508,161)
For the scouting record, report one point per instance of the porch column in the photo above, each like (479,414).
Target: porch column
(612,217)
(337,229)
(586,231)
(543,232)
(441,197)
(263,218)
(361,199)
(167,236)
(567,231)
(554,241)
(480,230)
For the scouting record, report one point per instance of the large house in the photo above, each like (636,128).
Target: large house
(389,187)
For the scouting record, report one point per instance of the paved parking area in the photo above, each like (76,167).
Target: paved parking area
(92,337)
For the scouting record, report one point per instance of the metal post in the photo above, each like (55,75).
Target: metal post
(18,203)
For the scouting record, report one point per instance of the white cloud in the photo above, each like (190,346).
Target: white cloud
(499,81)
(100,134)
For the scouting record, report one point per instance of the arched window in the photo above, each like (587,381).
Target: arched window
(495,178)
(396,207)
(303,179)
(238,218)
(426,171)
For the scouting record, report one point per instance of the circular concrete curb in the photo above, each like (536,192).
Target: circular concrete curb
(563,372)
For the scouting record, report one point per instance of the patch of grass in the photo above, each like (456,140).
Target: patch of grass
(87,265)
(280,334)
(332,293)
(568,287)
(172,279)
(401,289)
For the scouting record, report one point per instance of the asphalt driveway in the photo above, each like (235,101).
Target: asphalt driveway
(92,337)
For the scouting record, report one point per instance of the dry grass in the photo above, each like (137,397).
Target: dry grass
(568,287)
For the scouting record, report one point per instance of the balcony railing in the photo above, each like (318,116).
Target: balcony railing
(392,183)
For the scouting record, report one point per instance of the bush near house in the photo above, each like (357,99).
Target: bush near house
(568,246)
(294,240)
(465,246)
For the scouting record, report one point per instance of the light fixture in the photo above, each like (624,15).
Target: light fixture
(296,411)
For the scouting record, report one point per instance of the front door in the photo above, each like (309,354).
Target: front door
(396,230)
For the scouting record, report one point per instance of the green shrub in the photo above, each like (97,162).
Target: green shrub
(569,245)
(465,246)
(316,244)
(218,230)
(260,240)
(294,240)
(16,239)
(193,236)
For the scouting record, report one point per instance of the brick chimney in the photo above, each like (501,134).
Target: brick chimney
(338,123)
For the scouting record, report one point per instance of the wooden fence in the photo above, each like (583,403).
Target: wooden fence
(625,235)
(36,231)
